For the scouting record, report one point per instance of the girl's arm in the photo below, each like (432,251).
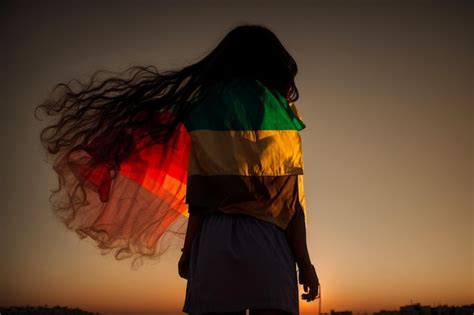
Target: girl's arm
(194,226)
(296,235)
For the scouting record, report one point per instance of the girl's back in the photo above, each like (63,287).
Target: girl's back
(246,154)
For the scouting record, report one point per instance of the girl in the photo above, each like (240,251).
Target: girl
(210,153)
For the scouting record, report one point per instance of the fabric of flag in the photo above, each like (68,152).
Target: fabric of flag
(246,153)
(238,150)
(137,212)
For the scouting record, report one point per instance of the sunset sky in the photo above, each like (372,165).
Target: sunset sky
(386,96)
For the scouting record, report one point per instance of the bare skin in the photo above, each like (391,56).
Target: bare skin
(296,236)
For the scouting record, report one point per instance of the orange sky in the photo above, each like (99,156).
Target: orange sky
(385,93)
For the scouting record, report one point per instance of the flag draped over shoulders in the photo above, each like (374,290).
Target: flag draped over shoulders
(136,212)
(237,150)
(246,153)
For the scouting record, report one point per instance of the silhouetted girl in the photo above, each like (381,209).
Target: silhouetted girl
(210,153)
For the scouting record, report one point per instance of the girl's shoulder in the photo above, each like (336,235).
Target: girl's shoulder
(243,104)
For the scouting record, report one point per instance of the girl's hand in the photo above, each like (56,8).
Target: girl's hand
(183,265)
(309,280)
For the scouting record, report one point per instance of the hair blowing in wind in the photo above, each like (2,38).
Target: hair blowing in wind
(113,141)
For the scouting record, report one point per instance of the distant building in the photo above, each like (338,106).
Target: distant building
(453,310)
(43,310)
(387,312)
(415,309)
(333,312)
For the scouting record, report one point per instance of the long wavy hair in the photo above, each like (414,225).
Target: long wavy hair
(111,109)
